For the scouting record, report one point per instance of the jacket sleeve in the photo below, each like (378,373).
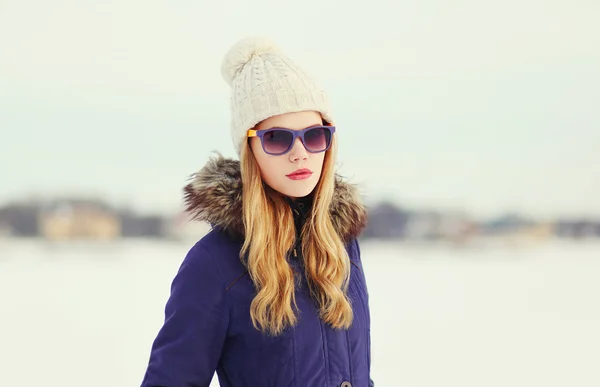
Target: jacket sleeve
(357,250)
(187,349)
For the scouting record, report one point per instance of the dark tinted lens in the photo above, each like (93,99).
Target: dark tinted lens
(277,141)
(317,139)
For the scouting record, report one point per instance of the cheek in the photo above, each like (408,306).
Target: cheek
(319,160)
(266,164)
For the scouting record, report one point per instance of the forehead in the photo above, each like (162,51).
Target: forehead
(296,121)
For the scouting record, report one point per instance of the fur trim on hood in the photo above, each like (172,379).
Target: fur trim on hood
(214,195)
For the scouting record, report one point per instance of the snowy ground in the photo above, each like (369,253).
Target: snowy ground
(86,315)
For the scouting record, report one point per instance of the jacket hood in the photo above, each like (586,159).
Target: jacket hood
(214,195)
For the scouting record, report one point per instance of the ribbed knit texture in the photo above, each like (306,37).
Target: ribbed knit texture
(265,83)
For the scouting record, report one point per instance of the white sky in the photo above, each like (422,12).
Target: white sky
(478,105)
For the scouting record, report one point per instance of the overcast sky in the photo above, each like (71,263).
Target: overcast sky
(478,105)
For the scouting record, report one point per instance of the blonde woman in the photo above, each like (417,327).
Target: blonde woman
(275,294)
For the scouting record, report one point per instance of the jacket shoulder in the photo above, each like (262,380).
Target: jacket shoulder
(221,251)
(353,248)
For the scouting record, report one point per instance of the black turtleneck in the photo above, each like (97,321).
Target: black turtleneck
(300,210)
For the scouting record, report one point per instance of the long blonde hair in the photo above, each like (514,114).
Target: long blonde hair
(269,237)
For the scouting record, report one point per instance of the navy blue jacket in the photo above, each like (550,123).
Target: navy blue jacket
(207,324)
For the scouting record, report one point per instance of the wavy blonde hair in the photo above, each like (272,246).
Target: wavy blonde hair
(269,238)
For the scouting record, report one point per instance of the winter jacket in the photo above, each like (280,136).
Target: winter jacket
(207,324)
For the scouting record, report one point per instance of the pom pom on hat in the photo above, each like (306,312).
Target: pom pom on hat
(264,83)
(241,53)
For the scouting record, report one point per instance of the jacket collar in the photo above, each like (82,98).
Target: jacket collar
(214,195)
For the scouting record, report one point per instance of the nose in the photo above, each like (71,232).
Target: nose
(298,151)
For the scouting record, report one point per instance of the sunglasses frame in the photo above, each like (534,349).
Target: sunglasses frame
(295,134)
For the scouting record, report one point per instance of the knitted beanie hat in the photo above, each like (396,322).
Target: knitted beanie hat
(265,83)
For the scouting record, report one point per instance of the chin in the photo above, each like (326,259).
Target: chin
(298,190)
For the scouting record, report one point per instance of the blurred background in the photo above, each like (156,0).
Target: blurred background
(471,127)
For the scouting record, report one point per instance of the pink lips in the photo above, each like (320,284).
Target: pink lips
(300,174)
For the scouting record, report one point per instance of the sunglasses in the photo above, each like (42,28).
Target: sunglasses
(279,141)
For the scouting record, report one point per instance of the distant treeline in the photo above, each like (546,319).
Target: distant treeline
(390,221)
(386,221)
(24,219)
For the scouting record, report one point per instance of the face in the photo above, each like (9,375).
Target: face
(278,172)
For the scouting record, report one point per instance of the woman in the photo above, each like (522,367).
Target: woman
(274,295)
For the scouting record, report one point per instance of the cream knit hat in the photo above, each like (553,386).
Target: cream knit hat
(266,83)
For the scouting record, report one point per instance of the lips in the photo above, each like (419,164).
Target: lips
(302,171)
(300,174)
